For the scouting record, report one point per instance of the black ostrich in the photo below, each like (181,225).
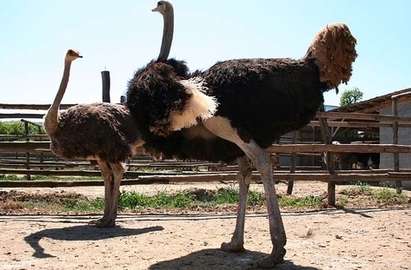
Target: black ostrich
(102,132)
(246,105)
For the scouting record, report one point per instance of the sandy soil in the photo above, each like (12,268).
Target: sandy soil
(367,239)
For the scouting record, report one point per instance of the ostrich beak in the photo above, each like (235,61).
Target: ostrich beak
(336,90)
(80,56)
(155,9)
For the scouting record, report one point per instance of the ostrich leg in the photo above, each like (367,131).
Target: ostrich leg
(221,127)
(118,171)
(278,237)
(237,241)
(107,174)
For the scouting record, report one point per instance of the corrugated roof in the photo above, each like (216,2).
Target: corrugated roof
(374,104)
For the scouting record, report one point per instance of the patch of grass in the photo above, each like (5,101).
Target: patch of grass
(303,202)
(356,191)
(342,201)
(226,196)
(389,196)
(371,196)
(188,199)
(17,128)
(255,198)
(10,177)
(363,187)
(84,205)
(134,200)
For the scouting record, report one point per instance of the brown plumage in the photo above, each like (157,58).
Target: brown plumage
(95,131)
(334,52)
(102,132)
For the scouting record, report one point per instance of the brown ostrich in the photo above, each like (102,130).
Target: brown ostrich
(102,132)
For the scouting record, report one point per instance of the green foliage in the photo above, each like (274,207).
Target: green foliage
(83,205)
(201,198)
(304,202)
(363,187)
(255,198)
(363,192)
(226,195)
(17,128)
(161,200)
(350,96)
(389,196)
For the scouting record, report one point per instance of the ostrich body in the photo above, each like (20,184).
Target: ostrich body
(249,104)
(102,132)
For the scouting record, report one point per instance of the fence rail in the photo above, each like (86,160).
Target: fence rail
(37,158)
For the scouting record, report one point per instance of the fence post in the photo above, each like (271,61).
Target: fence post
(105,77)
(292,166)
(26,133)
(327,138)
(398,183)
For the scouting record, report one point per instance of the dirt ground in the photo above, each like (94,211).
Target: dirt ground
(331,239)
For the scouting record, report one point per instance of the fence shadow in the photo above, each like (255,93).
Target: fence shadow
(217,259)
(81,233)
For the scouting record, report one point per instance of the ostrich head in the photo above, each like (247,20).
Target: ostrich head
(72,55)
(163,7)
(333,50)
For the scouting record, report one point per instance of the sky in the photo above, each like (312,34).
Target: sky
(122,36)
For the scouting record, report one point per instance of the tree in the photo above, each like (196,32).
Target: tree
(350,96)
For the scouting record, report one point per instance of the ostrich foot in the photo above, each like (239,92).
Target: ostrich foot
(233,246)
(103,223)
(272,260)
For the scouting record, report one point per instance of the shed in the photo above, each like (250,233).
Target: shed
(383,105)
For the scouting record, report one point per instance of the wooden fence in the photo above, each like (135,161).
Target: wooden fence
(30,155)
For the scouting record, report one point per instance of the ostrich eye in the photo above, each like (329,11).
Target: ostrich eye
(159,3)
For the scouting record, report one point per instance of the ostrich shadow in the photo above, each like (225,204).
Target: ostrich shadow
(81,233)
(217,259)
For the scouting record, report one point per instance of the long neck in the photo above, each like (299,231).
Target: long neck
(51,118)
(167,34)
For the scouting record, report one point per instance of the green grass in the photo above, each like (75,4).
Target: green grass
(384,195)
(207,198)
(17,128)
(193,199)
(303,202)
(190,199)
(389,196)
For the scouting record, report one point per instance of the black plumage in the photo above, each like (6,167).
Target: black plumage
(266,98)
(262,98)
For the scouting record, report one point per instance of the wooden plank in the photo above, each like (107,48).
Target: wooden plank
(88,173)
(21,115)
(340,148)
(396,156)
(406,94)
(363,116)
(24,147)
(105,78)
(327,138)
(346,124)
(293,161)
(166,179)
(32,106)
(276,148)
